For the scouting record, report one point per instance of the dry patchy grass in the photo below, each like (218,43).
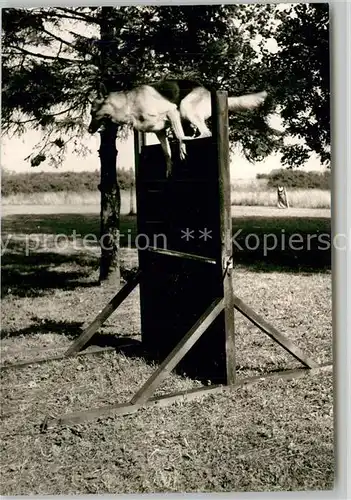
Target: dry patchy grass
(56,198)
(272,436)
(64,198)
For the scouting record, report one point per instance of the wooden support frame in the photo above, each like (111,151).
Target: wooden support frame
(273,333)
(143,397)
(182,255)
(226,303)
(239,305)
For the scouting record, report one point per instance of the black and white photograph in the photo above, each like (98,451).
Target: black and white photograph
(166,249)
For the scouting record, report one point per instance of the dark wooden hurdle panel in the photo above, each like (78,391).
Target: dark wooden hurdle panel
(183,279)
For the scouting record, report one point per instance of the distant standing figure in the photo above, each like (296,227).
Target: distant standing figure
(282,197)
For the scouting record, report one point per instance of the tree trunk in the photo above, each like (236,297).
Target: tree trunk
(110,207)
(110,193)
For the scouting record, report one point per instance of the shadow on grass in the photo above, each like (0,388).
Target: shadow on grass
(130,347)
(127,345)
(133,348)
(292,244)
(70,328)
(71,225)
(29,272)
(40,272)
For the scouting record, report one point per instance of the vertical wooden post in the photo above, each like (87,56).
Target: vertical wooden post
(131,193)
(139,142)
(220,133)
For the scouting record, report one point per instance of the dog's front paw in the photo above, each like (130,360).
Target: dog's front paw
(182,151)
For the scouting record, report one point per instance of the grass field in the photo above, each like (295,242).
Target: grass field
(274,436)
(249,193)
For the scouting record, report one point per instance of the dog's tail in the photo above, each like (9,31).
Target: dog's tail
(249,101)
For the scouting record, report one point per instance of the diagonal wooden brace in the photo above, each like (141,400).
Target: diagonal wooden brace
(179,351)
(273,333)
(117,300)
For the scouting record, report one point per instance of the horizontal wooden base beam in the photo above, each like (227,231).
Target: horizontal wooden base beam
(177,397)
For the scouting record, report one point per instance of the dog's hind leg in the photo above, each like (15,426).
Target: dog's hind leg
(162,137)
(199,123)
(196,108)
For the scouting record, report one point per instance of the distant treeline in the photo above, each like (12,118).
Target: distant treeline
(44,182)
(297,179)
(39,182)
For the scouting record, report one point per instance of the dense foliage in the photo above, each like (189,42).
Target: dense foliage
(299,75)
(53,55)
(297,179)
(296,73)
(39,182)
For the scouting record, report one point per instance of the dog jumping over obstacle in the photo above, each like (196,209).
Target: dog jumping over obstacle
(157,106)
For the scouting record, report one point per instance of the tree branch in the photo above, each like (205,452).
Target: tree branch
(79,16)
(60,49)
(64,16)
(79,35)
(31,120)
(43,56)
(61,40)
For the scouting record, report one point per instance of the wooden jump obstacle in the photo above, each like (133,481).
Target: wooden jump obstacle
(186,291)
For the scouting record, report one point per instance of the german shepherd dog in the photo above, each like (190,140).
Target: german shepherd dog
(157,106)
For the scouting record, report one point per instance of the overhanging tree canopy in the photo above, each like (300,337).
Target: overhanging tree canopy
(52,64)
